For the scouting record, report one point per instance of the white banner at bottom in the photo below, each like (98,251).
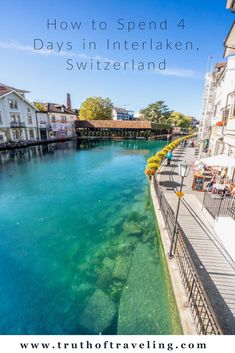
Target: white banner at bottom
(116,344)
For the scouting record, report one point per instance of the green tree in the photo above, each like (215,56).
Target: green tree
(181,120)
(39,106)
(96,108)
(186,122)
(157,112)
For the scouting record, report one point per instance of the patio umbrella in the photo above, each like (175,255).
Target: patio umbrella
(222,160)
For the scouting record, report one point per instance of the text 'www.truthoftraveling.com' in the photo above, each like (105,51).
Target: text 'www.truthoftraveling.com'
(109,345)
(94,344)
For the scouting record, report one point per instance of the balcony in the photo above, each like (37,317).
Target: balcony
(42,124)
(17,124)
(219,130)
(230,128)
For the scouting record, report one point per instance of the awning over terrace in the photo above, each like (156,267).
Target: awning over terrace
(221,160)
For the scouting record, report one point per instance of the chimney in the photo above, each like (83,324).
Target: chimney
(69,106)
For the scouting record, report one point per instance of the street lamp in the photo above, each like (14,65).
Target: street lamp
(183,173)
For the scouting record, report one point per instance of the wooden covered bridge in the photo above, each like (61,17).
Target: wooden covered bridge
(120,129)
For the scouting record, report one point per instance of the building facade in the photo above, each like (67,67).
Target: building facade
(207,108)
(122,114)
(219,104)
(218,118)
(229,109)
(229,118)
(222,134)
(55,120)
(18,121)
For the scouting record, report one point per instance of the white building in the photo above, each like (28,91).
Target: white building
(55,120)
(229,129)
(229,108)
(207,107)
(18,120)
(122,114)
(223,115)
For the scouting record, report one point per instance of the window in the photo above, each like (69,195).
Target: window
(30,120)
(1,122)
(31,134)
(13,104)
(15,118)
(225,115)
(17,135)
(63,119)
(28,110)
(215,110)
(233,111)
(53,119)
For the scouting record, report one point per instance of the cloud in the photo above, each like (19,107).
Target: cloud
(179,72)
(28,48)
(172,71)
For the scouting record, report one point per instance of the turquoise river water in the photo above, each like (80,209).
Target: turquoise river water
(80,251)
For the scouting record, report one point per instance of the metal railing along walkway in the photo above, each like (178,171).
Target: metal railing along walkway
(204,316)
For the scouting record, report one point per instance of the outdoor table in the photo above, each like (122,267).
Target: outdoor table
(219,186)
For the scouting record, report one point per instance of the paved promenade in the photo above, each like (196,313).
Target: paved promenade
(213,263)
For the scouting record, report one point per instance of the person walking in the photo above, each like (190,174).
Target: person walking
(169,157)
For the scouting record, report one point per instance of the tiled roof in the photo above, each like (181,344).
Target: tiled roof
(4,91)
(5,87)
(120,110)
(221,64)
(113,124)
(54,108)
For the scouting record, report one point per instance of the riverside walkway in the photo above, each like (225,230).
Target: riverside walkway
(214,265)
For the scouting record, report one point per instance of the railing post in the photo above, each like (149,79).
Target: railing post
(160,199)
(204,199)
(167,213)
(191,290)
(177,233)
(219,207)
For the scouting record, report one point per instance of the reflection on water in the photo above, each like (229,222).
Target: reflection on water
(80,252)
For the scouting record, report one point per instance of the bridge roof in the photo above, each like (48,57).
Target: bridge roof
(114,124)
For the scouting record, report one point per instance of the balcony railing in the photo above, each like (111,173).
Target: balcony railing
(219,205)
(219,130)
(17,124)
